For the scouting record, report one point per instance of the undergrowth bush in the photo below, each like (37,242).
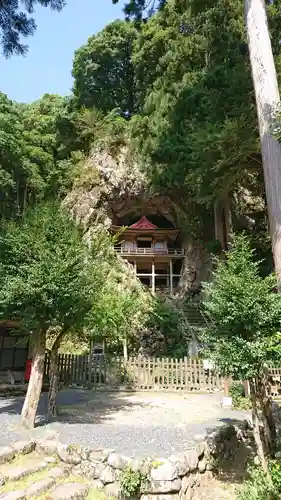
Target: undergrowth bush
(275,473)
(260,486)
(239,400)
(131,482)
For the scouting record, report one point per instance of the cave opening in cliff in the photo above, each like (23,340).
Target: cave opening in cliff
(160,221)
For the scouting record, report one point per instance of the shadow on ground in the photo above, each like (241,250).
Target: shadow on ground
(236,456)
(77,406)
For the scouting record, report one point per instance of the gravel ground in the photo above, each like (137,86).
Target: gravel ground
(134,424)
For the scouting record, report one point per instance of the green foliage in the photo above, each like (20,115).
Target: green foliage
(103,73)
(123,308)
(275,473)
(197,127)
(131,482)
(139,8)
(48,278)
(239,401)
(243,314)
(31,166)
(258,487)
(168,319)
(14,24)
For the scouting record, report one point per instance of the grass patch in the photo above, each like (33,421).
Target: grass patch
(25,482)
(97,495)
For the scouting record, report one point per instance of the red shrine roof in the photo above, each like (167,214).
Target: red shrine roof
(143,223)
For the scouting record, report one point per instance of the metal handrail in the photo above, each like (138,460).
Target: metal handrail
(150,251)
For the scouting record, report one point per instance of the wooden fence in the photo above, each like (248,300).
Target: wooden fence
(137,373)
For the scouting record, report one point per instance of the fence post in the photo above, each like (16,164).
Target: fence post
(227,400)
(90,369)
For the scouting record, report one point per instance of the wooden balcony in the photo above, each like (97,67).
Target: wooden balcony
(177,253)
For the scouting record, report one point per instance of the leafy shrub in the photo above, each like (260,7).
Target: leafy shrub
(237,390)
(259,486)
(239,401)
(275,473)
(131,482)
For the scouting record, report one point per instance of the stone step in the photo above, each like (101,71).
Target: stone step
(10,472)
(13,495)
(35,488)
(39,487)
(70,491)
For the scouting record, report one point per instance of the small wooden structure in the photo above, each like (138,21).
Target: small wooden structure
(14,346)
(153,252)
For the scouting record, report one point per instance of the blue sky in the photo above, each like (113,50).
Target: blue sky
(47,66)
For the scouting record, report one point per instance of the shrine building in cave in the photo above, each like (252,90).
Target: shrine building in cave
(154,252)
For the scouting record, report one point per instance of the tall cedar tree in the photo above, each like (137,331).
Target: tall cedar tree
(268,102)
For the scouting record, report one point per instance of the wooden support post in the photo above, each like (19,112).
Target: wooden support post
(153,277)
(171,277)
(227,399)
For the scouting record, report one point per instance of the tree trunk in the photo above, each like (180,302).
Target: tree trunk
(54,376)
(267,100)
(256,426)
(54,384)
(32,397)
(223,223)
(195,269)
(265,401)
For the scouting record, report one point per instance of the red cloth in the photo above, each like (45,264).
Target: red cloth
(27,371)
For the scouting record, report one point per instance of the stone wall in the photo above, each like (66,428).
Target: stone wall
(176,477)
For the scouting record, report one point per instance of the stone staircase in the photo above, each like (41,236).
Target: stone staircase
(194,315)
(29,473)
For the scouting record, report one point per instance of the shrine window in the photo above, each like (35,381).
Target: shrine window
(128,246)
(160,246)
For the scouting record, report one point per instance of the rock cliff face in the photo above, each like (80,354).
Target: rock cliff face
(111,188)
